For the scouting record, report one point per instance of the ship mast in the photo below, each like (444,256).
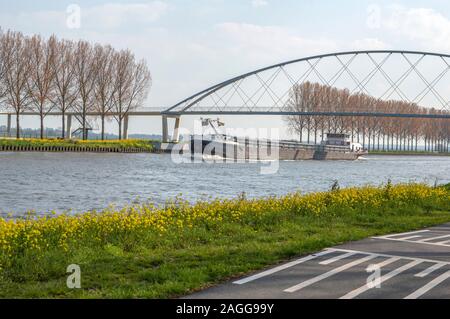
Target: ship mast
(211,122)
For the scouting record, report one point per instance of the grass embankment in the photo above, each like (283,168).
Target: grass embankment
(151,252)
(76,145)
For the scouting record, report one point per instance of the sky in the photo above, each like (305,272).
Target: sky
(192,44)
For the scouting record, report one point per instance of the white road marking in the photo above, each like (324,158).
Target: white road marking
(384,278)
(282,267)
(329,274)
(429,286)
(386,255)
(445,242)
(388,261)
(432,238)
(408,233)
(410,237)
(430,269)
(437,264)
(334,259)
(441,229)
(413,241)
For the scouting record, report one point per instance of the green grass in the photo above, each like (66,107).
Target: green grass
(183,261)
(121,144)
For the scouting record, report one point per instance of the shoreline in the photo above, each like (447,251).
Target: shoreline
(77,146)
(72,149)
(178,249)
(409,154)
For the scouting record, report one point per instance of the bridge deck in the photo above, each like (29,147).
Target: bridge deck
(161,112)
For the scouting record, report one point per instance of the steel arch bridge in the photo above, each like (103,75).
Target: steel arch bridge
(420,78)
(409,76)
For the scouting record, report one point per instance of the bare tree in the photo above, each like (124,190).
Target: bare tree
(43,75)
(3,64)
(105,86)
(64,71)
(297,103)
(133,82)
(41,81)
(85,73)
(17,59)
(398,133)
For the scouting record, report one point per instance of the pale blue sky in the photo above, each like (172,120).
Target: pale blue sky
(191,44)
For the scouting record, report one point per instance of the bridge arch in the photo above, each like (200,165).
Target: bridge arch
(410,76)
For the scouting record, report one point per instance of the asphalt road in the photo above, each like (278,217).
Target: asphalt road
(409,265)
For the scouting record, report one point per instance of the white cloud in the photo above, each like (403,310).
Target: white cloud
(269,43)
(115,15)
(259,3)
(426,27)
(369,44)
(108,16)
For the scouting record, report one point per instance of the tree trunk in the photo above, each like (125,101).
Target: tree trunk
(83,120)
(42,126)
(17,125)
(309,130)
(364,138)
(103,127)
(120,129)
(63,133)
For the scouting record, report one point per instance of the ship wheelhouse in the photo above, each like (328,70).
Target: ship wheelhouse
(338,139)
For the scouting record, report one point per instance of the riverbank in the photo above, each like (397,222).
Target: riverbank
(59,145)
(408,153)
(150,252)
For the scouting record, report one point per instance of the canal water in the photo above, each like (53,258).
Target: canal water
(79,182)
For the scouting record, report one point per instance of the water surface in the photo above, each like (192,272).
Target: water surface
(79,182)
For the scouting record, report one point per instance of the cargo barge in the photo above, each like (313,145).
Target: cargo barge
(216,145)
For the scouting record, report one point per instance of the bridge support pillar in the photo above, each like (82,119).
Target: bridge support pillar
(165,131)
(69,127)
(176,130)
(8,126)
(125,127)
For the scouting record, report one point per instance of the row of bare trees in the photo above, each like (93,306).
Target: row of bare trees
(381,133)
(51,75)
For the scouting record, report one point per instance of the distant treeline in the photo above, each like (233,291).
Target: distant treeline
(45,75)
(381,133)
(56,133)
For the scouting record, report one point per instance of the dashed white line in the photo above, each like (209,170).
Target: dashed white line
(413,241)
(369,256)
(282,267)
(387,255)
(409,237)
(430,269)
(329,274)
(334,259)
(432,238)
(408,233)
(419,292)
(360,290)
(388,261)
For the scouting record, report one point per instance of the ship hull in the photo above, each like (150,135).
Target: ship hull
(256,150)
